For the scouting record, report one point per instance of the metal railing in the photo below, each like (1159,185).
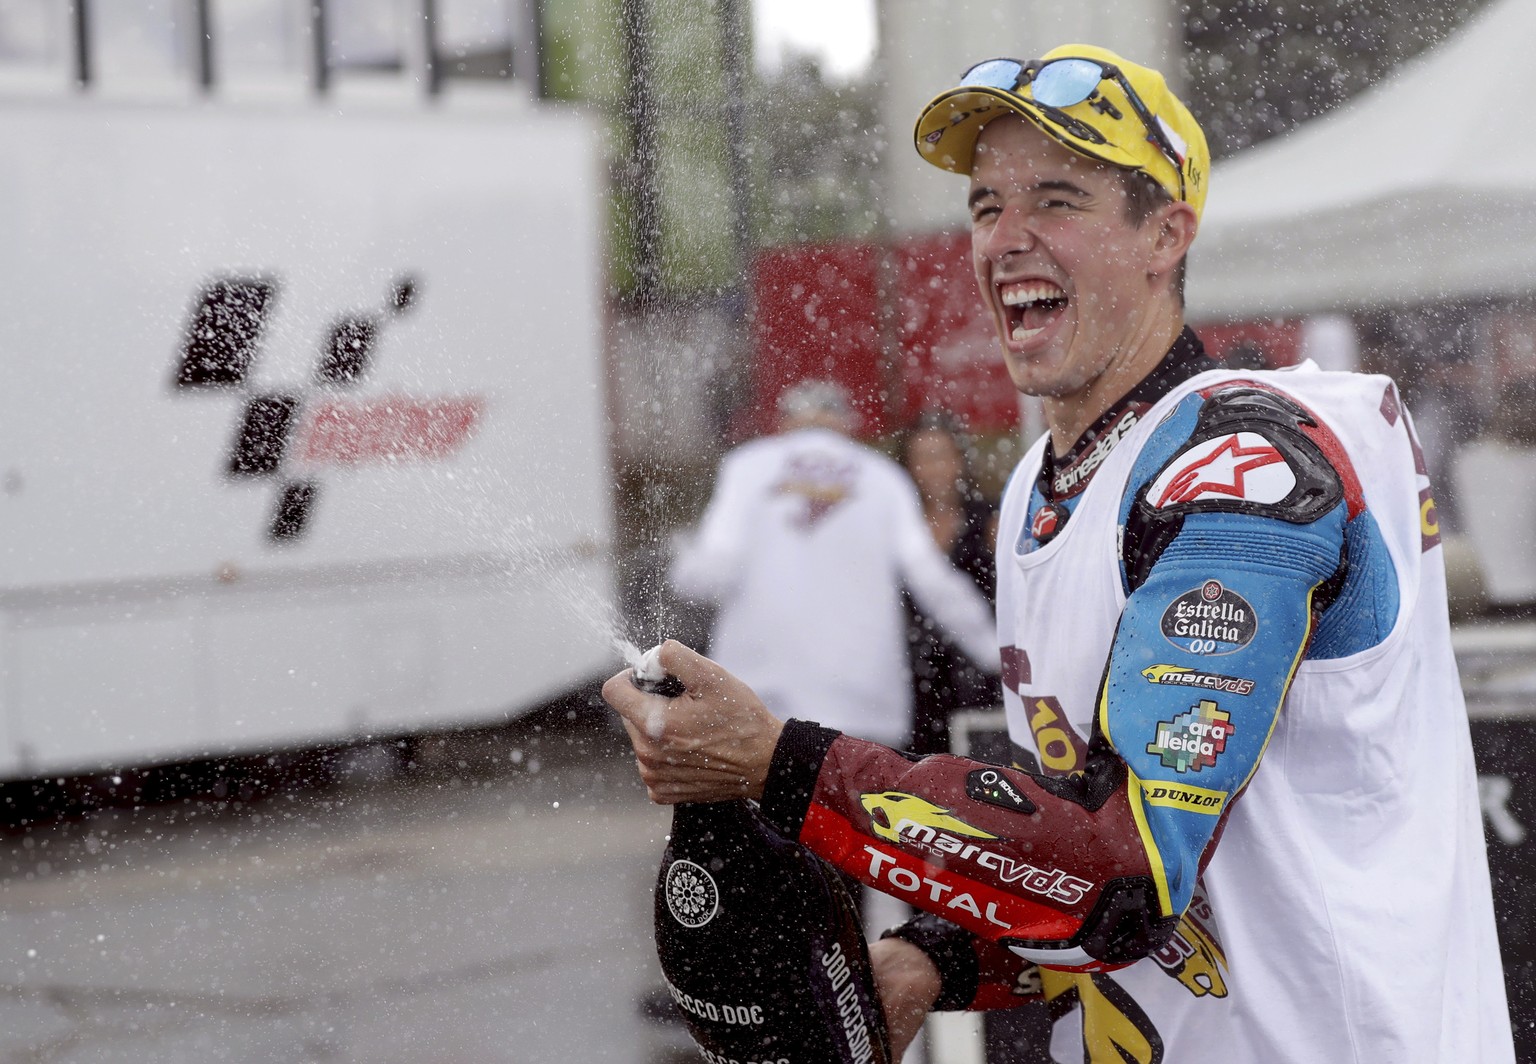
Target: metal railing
(428,57)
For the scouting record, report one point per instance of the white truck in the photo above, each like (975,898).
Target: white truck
(302,427)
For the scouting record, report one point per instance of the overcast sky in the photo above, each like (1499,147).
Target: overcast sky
(840,32)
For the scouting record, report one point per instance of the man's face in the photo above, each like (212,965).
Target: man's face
(1063,271)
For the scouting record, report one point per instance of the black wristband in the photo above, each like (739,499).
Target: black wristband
(952,951)
(792,774)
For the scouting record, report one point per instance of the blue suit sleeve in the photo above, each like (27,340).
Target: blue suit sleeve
(1234,533)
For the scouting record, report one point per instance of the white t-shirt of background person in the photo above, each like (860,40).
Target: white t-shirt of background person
(805,547)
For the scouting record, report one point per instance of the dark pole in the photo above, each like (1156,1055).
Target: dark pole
(735,53)
(202,24)
(640,106)
(429,29)
(887,269)
(82,32)
(319,33)
(535,25)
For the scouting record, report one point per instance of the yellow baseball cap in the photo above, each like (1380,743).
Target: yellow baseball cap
(1090,100)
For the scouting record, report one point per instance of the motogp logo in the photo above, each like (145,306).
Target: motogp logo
(693,899)
(290,434)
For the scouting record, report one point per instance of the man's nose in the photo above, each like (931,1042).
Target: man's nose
(1011,235)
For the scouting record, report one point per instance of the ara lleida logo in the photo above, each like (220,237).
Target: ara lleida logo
(1194,740)
(287,435)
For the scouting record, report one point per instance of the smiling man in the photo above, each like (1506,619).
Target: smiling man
(1242,819)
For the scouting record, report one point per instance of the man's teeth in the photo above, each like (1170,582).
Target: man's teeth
(1031,293)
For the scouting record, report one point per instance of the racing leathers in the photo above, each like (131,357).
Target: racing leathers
(1229,627)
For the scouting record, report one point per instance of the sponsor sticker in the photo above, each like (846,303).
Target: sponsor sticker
(890,811)
(944,847)
(693,899)
(1016,669)
(1237,467)
(1047,521)
(1194,740)
(991,786)
(716,1012)
(1180,676)
(1210,619)
(1074,477)
(1183,796)
(1429,521)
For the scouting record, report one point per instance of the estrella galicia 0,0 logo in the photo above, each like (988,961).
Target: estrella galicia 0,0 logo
(1210,619)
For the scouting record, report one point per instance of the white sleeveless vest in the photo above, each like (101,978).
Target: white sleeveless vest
(1346,914)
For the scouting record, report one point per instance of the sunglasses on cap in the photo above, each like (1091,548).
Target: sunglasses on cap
(1065,82)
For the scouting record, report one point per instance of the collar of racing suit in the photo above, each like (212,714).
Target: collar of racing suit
(1065,477)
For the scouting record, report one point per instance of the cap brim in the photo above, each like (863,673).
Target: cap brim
(947,129)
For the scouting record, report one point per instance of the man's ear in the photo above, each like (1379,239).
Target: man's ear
(1176,226)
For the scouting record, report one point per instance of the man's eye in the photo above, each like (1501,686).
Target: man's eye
(982,211)
(1055,204)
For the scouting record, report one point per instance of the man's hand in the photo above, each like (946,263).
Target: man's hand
(712,743)
(909,984)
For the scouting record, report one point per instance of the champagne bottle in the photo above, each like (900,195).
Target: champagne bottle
(761,945)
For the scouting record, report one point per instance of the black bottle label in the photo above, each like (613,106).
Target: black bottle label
(761,947)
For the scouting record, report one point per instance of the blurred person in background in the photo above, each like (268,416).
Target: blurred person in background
(963,523)
(1243,823)
(804,549)
(1496,474)
(1246,355)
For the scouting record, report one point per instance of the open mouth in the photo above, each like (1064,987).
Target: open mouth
(1032,306)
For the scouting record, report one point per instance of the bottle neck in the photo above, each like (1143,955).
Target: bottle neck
(735,811)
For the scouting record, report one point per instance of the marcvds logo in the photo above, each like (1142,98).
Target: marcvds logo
(1181,676)
(284,432)
(890,810)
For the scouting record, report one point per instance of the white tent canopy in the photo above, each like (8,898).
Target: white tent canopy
(1422,188)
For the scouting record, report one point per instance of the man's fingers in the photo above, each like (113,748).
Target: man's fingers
(696,672)
(627,700)
(711,743)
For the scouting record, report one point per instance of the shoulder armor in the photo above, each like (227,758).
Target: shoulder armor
(1251,451)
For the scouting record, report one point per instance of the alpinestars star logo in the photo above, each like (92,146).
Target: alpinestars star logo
(1241,466)
(693,899)
(287,435)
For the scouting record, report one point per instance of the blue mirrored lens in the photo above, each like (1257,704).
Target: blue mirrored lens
(1066,82)
(995,73)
